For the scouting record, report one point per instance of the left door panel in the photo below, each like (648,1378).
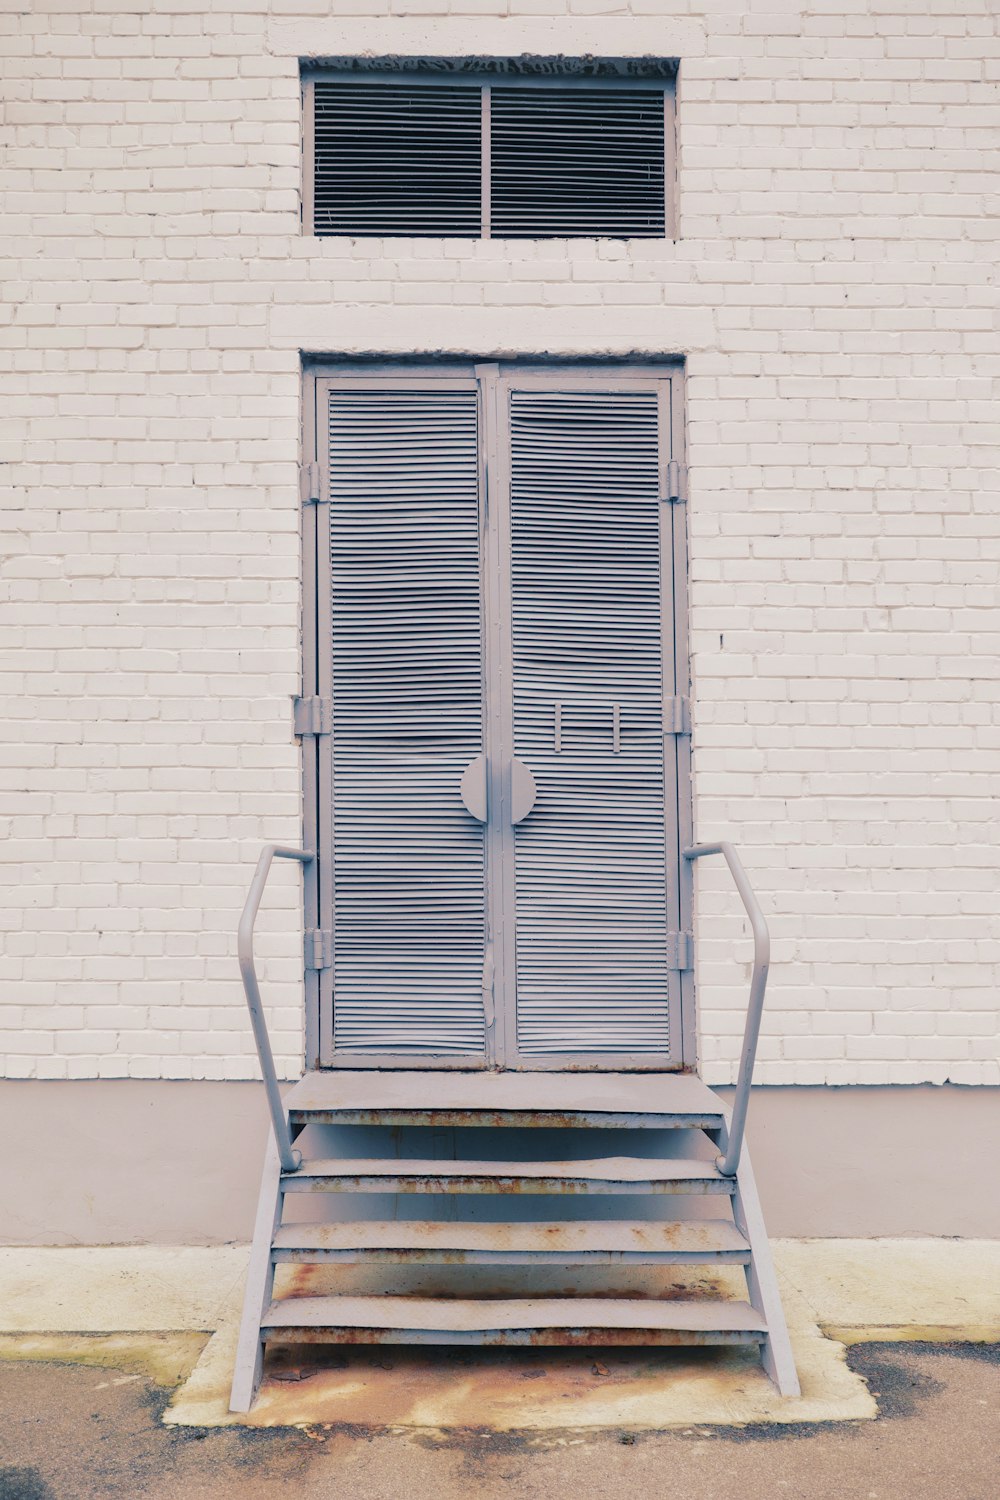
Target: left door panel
(406,887)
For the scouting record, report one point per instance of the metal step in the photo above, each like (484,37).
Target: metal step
(611,1174)
(564,1321)
(578,1243)
(654,1101)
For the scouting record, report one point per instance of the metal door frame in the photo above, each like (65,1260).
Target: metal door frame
(493,377)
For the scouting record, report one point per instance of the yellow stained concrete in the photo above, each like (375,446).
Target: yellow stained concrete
(166,1358)
(835,1292)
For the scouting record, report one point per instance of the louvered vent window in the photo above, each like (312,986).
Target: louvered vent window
(516,154)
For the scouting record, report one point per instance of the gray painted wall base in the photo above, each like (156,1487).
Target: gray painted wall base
(134,1162)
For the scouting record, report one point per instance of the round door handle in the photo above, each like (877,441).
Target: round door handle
(472,788)
(523,791)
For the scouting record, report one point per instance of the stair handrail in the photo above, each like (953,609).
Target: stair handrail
(291,1159)
(729,1161)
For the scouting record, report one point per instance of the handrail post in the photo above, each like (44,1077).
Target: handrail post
(729,1161)
(290,1158)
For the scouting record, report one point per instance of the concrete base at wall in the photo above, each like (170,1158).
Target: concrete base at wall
(135,1162)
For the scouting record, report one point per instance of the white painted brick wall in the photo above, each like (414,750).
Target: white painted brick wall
(834,290)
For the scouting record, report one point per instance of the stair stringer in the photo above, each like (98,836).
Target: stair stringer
(259,1284)
(776,1351)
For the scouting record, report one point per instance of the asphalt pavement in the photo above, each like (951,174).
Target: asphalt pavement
(71,1432)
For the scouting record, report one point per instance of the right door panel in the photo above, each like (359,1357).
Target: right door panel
(591,618)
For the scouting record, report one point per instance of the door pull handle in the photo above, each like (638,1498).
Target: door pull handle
(523,791)
(472,788)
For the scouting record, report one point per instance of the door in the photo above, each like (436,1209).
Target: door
(497,808)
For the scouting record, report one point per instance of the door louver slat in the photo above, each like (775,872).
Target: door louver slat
(394,158)
(590,862)
(570,162)
(408,861)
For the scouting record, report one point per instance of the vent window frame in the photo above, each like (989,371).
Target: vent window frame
(564,74)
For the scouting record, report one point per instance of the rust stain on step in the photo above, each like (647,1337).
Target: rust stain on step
(692,1284)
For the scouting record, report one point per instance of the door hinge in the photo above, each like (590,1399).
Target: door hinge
(312,716)
(309,484)
(676,481)
(680,946)
(677,716)
(318,948)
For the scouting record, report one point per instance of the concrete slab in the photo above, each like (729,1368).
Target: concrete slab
(835,1292)
(117,1288)
(874,1290)
(526,1390)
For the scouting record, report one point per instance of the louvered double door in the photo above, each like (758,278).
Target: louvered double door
(497,807)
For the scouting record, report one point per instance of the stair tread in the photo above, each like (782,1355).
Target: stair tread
(599,1169)
(696,1236)
(591,1096)
(447,1314)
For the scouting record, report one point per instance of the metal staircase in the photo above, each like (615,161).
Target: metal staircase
(708,1194)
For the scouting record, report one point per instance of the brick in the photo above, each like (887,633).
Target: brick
(833,290)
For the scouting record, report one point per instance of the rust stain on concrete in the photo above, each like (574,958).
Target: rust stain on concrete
(541,1392)
(386,1388)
